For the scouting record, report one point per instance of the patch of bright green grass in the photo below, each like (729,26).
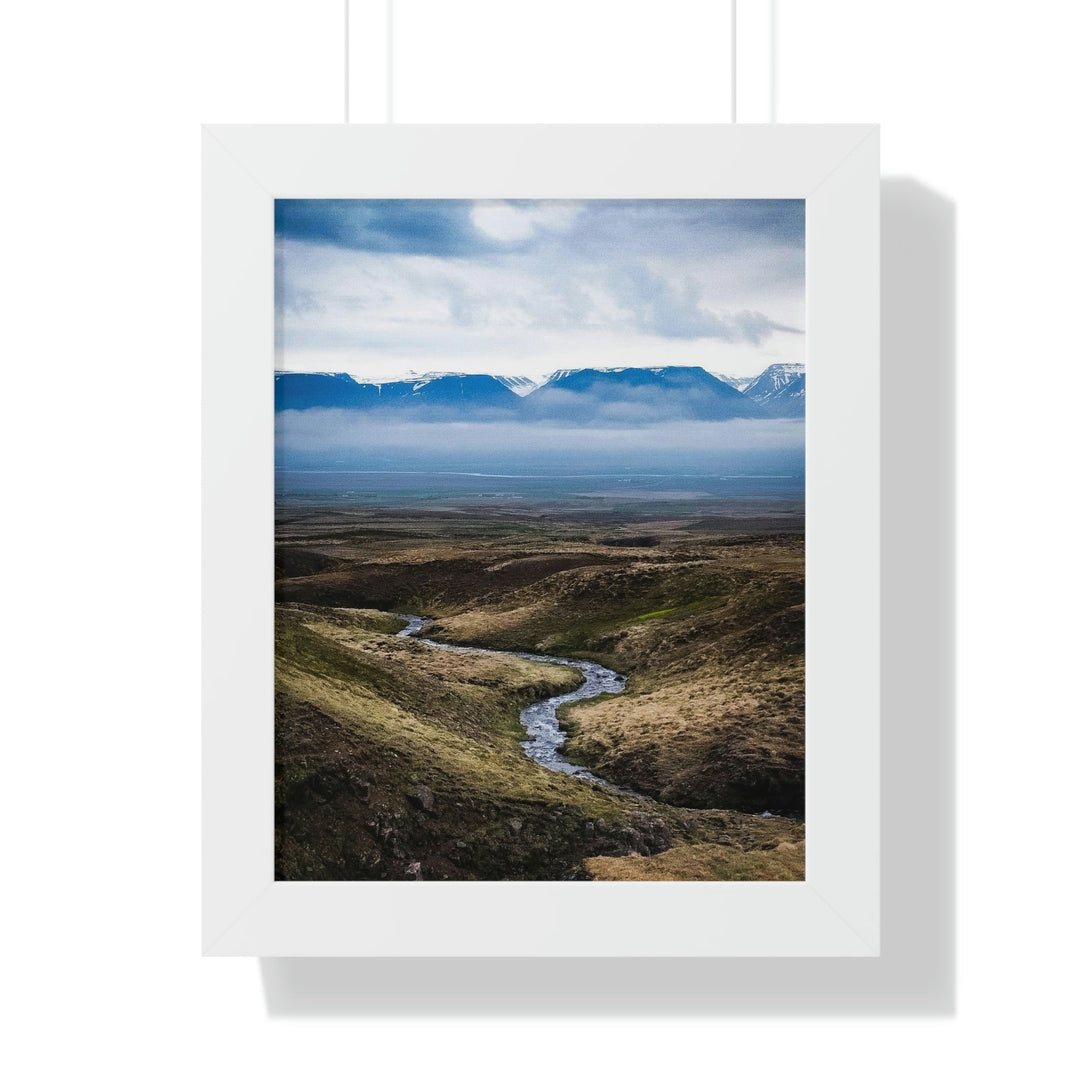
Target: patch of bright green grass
(656,614)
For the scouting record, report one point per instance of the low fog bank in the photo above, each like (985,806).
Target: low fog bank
(341,439)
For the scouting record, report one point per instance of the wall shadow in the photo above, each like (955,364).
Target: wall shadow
(915,974)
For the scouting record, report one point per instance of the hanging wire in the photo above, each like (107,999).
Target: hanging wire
(734,23)
(389,61)
(773,47)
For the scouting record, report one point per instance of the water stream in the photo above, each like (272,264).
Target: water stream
(544,740)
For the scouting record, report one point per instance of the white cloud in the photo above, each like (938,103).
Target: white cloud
(547,300)
(501,221)
(506,222)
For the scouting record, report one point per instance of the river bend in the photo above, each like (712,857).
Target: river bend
(545,740)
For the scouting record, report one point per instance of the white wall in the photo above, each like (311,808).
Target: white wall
(100,244)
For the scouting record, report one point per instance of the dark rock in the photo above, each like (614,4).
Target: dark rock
(651,834)
(423,797)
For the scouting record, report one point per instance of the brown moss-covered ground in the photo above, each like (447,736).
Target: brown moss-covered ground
(704,862)
(395,760)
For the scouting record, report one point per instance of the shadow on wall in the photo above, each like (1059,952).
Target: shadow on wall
(915,973)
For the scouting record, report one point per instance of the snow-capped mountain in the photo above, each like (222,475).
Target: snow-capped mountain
(294,390)
(608,396)
(520,385)
(321,390)
(612,395)
(775,377)
(780,390)
(740,382)
(464,391)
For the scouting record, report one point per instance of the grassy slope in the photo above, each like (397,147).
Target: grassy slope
(705,862)
(713,644)
(396,761)
(708,627)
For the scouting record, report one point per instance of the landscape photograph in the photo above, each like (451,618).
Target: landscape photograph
(539,540)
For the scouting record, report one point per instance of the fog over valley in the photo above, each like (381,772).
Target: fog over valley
(341,439)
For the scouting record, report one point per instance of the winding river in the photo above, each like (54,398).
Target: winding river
(539,720)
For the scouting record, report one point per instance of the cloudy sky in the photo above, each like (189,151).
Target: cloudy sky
(382,289)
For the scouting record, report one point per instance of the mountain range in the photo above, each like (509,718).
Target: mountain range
(780,389)
(607,396)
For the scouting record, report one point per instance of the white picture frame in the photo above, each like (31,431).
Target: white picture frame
(836,911)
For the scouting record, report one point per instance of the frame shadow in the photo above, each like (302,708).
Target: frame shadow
(915,974)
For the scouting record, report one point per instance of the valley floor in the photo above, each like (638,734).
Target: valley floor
(397,761)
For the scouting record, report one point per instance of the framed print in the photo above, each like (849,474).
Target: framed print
(541,541)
